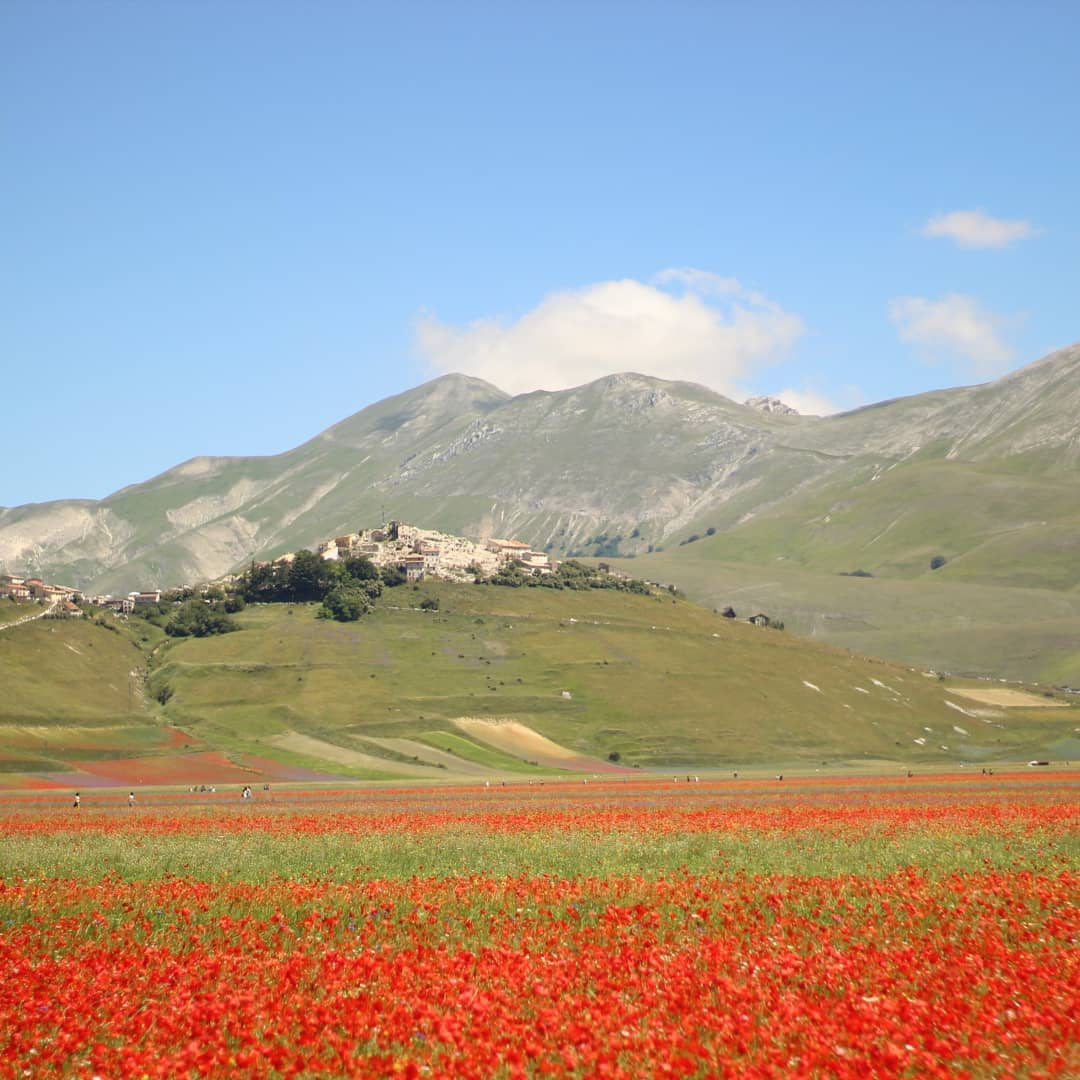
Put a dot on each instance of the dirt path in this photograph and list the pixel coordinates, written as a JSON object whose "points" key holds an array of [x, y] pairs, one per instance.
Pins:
{"points": [[30, 618]]}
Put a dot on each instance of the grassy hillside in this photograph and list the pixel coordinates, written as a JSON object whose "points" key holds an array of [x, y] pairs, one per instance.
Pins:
{"points": [[72, 690], [939, 621], [657, 681], [496, 682], [992, 525], [13, 610]]}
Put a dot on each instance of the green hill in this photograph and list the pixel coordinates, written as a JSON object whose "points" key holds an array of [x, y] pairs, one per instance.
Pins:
{"points": [[497, 681], [73, 691], [938, 621], [978, 482]]}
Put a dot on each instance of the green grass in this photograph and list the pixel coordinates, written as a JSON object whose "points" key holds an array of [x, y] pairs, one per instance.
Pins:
{"points": [[13, 610], [74, 671], [1006, 602], [479, 754], [660, 682], [994, 527], [938, 621], [258, 856]]}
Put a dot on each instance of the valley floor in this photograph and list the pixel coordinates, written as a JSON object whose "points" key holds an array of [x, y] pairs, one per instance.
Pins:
{"points": [[920, 926]]}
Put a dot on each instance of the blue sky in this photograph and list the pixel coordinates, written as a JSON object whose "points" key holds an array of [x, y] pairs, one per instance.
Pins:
{"points": [[224, 227]]}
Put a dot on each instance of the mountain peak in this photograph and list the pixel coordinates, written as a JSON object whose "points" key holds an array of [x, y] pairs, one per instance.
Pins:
{"points": [[766, 404]]}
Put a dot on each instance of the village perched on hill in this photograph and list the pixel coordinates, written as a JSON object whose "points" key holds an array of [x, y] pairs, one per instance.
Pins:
{"points": [[428, 553], [67, 598], [416, 551]]}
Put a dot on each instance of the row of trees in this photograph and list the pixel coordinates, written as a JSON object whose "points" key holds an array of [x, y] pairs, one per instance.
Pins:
{"points": [[183, 613], [347, 588], [308, 578], [570, 575]]}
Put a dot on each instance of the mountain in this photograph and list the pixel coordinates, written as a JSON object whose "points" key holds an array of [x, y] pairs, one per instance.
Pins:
{"points": [[979, 479]]}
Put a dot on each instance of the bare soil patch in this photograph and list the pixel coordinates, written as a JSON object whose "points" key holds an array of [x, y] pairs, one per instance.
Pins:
{"points": [[514, 738], [451, 762], [343, 755], [1004, 697]]}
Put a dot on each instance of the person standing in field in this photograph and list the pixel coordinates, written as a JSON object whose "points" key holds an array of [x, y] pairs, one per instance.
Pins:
{"points": [[77, 802], [131, 798]]}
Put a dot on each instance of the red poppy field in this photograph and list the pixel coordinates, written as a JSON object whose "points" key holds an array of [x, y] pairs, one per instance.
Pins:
{"points": [[872, 928]]}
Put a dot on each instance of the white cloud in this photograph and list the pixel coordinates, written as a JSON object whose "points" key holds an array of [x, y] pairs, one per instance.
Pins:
{"points": [[976, 229], [685, 324], [956, 326]]}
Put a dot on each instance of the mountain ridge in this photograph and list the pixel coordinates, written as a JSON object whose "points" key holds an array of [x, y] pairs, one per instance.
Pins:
{"points": [[622, 455]]}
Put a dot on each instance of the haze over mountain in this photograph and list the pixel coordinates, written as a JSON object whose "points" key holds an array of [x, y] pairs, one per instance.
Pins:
{"points": [[983, 476]]}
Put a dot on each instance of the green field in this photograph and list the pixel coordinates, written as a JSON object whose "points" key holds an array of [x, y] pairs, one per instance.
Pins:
{"points": [[655, 680], [13, 610], [936, 621], [644, 681]]}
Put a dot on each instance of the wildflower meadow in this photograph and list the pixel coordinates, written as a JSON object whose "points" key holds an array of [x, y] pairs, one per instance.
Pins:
{"points": [[653, 927]]}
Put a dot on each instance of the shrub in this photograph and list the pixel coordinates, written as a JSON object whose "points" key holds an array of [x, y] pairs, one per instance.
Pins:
{"points": [[937, 562], [196, 619], [345, 603], [393, 576]]}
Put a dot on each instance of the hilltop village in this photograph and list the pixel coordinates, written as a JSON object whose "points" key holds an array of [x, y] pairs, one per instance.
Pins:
{"points": [[421, 553], [15, 587], [67, 598], [417, 552], [397, 548]]}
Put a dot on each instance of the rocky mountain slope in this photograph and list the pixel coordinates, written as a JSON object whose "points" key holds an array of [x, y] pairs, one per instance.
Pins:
{"points": [[622, 465]]}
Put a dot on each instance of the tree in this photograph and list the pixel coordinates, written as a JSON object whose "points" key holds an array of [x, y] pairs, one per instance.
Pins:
{"points": [[511, 574], [309, 578], [392, 576], [361, 568], [575, 575], [263, 583], [195, 619], [345, 603]]}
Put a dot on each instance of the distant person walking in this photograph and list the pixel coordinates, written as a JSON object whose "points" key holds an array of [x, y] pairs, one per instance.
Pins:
{"points": [[78, 801], [131, 798]]}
